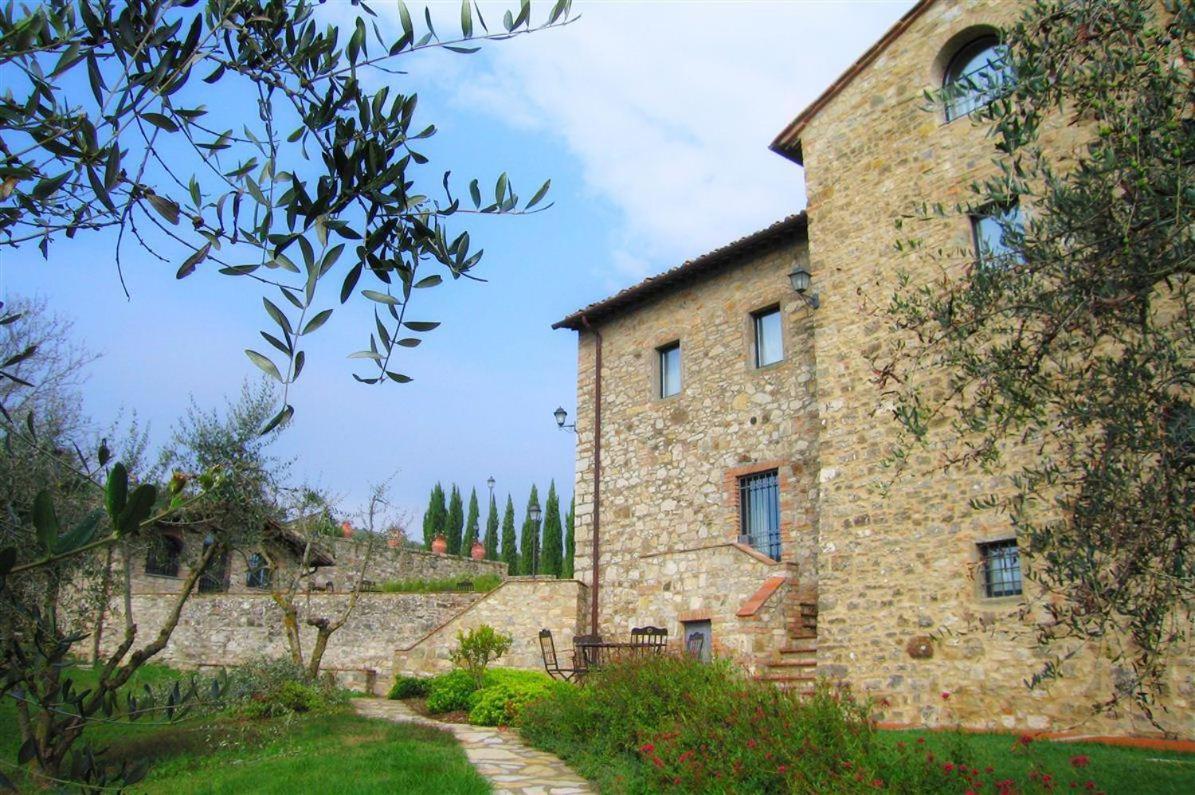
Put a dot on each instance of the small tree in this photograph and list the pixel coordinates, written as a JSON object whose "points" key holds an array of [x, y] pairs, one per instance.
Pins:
{"points": [[456, 522], [529, 540], [435, 518], [510, 551], [491, 531], [567, 569], [477, 648], [471, 524], [552, 558]]}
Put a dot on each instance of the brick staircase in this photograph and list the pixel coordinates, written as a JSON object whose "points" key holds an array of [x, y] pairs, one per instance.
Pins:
{"points": [[794, 665]]}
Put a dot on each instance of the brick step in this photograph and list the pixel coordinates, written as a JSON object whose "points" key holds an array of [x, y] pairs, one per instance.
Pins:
{"points": [[800, 646], [786, 678], [792, 663]]}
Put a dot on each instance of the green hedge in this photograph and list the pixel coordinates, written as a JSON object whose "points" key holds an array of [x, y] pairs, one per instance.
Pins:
{"points": [[505, 692]]}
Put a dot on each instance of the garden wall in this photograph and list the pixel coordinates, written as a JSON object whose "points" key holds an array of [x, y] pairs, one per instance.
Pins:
{"points": [[234, 629], [520, 607], [399, 563]]}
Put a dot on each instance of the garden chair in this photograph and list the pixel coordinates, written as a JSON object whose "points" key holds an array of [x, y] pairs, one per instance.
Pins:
{"points": [[694, 645], [547, 648], [587, 651], [653, 639]]}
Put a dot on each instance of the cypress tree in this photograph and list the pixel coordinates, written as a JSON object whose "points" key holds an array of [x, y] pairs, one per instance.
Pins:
{"points": [[551, 558], [510, 553], [529, 541], [491, 531], [456, 522], [436, 516], [570, 542], [471, 526]]}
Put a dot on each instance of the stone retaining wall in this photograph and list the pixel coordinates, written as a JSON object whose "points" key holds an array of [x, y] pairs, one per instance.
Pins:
{"points": [[234, 629], [520, 607]]}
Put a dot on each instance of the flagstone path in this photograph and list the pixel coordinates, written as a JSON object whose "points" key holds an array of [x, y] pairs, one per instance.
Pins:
{"points": [[513, 767]]}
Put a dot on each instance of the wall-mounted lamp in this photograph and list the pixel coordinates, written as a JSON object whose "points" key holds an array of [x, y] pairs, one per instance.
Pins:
{"points": [[561, 415], [801, 280]]}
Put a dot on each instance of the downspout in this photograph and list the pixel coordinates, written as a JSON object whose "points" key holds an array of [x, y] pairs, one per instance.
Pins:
{"points": [[597, 476]]}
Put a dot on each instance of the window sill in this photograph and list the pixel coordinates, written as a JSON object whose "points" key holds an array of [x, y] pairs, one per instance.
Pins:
{"points": [[1001, 601], [763, 368], [163, 576]]}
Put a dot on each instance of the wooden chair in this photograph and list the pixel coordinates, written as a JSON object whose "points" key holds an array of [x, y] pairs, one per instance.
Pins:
{"points": [[694, 645], [653, 639], [552, 665]]}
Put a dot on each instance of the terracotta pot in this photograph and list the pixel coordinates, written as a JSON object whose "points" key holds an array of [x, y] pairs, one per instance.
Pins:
{"points": [[478, 551], [346, 530], [440, 545]]}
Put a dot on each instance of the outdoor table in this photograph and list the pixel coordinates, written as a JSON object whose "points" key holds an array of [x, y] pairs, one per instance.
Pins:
{"points": [[598, 653]]}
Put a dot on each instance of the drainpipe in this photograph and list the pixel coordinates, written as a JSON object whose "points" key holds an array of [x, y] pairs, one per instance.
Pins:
{"points": [[597, 476]]}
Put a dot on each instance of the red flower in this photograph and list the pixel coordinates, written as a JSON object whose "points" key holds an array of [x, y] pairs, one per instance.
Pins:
{"points": [[1025, 739], [921, 741], [686, 755], [945, 696], [948, 767], [657, 761], [1080, 760], [782, 769], [751, 743], [647, 748], [878, 783]]}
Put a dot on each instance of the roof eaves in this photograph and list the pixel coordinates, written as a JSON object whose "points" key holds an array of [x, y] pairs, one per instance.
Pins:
{"points": [[655, 285]]}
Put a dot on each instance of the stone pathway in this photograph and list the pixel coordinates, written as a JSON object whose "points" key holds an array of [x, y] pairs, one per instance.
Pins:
{"points": [[512, 767]]}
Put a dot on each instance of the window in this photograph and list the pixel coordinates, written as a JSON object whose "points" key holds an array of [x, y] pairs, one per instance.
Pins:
{"points": [[759, 512], [215, 577], [1001, 569], [258, 574], [163, 556], [997, 232], [669, 369], [769, 348], [976, 75]]}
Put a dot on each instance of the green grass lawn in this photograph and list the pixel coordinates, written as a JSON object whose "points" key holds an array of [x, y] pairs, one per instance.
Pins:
{"points": [[327, 751], [1114, 769]]}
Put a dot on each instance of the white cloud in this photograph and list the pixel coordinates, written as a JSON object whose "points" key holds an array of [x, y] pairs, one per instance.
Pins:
{"points": [[669, 108]]}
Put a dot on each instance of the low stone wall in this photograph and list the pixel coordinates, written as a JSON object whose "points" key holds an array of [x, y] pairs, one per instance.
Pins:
{"points": [[234, 629], [520, 607], [399, 563]]}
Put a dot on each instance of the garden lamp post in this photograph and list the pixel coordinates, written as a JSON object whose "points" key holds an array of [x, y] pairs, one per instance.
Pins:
{"points": [[534, 514]]}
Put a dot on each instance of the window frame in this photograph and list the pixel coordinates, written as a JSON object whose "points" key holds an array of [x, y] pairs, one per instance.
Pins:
{"points": [[214, 578], [961, 100], [756, 327], [662, 352], [999, 582], [997, 214], [261, 575], [745, 486]]}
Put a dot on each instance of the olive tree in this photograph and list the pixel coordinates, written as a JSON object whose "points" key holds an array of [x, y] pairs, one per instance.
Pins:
{"points": [[1072, 342]]}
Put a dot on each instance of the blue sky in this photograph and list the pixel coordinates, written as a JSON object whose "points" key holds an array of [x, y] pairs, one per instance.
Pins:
{"points": [[652, 120]]}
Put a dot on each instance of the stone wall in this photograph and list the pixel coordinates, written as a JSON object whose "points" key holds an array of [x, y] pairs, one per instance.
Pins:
{"points": [[401, 563], [520, 607], [386, 563], [233, 629], [670, 466], [894, 569]]}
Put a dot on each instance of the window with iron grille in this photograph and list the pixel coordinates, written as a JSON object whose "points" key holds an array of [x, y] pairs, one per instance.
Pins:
{"points": [[258, 574], [1001, 568], [163, 556], [215, 577], [769, 348], [759, 512]]}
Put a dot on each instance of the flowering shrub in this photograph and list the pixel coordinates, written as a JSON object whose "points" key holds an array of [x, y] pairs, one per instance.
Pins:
{"points": [[662, 723]]}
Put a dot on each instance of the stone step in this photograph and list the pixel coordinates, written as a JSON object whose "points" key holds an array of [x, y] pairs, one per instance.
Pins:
{"points": [[800, 646], [792, 662], [786, 678]]}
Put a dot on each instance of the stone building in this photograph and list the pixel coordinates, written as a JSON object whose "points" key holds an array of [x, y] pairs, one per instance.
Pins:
{"points": [[730, 437]]}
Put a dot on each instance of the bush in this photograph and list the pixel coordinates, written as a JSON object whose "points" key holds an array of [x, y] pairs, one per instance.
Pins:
{"points": [[477, 648], [662, 723], [450, 692], [408, 687], [272, 688], [507, 691], [481, 584]]}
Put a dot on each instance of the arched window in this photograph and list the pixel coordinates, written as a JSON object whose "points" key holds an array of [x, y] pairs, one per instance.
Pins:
{"points": [[163, 556], [215, 577], [997, 233], [977, 74], [258, 574]]}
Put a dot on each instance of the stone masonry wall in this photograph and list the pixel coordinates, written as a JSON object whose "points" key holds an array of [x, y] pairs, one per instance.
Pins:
{"points": [[520, 607], [897, 568], [234, 629], [670, 466]]}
